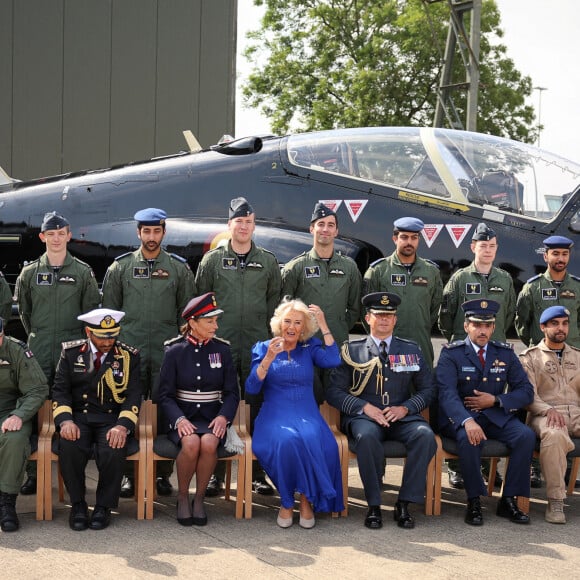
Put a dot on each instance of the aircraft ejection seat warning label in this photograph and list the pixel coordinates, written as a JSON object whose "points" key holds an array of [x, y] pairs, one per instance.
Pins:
{"points": [[430, 233], [355, 207], [332, 204], [457, 232]]}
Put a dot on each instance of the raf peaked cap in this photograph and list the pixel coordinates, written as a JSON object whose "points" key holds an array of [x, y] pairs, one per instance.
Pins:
{"points": [[239, 207], [482, 233], [554, 242], [408, 224], [103, 322], [150, 217], [321, 211], [53, 221], [554, 312], [381, 302], [480, 310], [203, 306]]}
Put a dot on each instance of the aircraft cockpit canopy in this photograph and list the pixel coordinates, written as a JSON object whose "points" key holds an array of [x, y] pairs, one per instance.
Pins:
{"points": [[458, 165]]}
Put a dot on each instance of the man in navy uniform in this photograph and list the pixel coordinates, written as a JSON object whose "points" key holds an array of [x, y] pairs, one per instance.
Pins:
{"points": [[381, 387], [96, 398], [473, 377]]}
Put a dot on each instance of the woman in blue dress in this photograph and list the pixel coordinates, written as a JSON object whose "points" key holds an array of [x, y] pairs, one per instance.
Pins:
{"points": [[291, 439]]}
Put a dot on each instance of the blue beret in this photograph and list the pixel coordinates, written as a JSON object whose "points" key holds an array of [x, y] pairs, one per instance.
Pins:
{"points": [[554, 242], [408, 224], [53, 221], [151, 217], [480, 310], [381, 301], [554, 312], [239, 207], [321, 211], [482, 233]]}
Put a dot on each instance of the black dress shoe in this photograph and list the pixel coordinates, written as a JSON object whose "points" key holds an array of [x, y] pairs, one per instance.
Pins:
{"points": [[214, 487], [262, 487], [473, 515], [535, 477], [164, 486], [402, 516], [78, 519], [8, 516], [29, 486], [127, 487], [101, 518], [188, 521], [507, 507], [198, 520], [374, 520], [455, 479]]}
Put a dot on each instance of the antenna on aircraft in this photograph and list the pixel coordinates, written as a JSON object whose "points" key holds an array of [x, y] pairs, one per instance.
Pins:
{"points": [[192, 142]]}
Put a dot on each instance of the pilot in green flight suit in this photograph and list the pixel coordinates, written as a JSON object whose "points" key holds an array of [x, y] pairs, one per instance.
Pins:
{"points": [[5, 299]]}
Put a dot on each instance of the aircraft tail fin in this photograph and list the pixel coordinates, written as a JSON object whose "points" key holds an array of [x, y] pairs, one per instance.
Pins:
{"points": [[5, 179], [192, 142]]}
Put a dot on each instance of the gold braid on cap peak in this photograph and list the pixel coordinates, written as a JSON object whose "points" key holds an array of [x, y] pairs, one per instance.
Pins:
{"points": [[108, 378], [362, 372]]}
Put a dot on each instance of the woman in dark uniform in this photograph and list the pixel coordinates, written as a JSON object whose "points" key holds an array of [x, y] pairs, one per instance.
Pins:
{"points": [[199, 395]]}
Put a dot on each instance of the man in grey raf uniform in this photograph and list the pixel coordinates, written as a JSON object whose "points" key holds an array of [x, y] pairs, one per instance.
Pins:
{"points": [[96, 398], [553, 367], [246, 281], [381, 388], [324, 277], [23, 390], [556, 286], [5, 299], [480, 280], [51, 292], [416, 280], [152, 287], [481, 385]]}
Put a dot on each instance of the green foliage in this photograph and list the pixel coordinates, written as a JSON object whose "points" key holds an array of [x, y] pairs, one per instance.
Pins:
{"points": [[323, 64]]}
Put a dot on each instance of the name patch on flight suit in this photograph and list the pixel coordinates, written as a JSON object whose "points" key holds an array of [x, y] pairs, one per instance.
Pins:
{"points": [[419, 281], [398, 280], [44, 279], [473, 288], [549, 294], [140, 272], [229, 264], [159, 273], [336, 272], [568, 294], [312, 271]]}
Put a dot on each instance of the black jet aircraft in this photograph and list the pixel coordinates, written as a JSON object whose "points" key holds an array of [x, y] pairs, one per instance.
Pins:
{"points": [[371, 176]]}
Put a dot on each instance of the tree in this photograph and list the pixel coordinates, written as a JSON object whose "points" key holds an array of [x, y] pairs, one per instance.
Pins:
{"points": [[356, 63]]}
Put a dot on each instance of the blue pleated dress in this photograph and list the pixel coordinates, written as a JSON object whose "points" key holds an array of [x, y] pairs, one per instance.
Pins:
{"points": [[291, 439]]}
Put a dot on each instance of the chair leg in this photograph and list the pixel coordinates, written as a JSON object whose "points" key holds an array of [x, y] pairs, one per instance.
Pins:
{"points": [[228, 480], [247, 482], [492, 472], [573, 475], [430, 487]]}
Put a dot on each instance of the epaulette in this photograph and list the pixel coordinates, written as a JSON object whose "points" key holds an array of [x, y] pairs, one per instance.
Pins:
{"points": [[16, 341], [72, 343], [502, 344], [179, 258], [573, 347], [533, 278], [373, 264], [454, 344], [406, 340], [530, 348], [265, 250], [173, 340], [356, 340], [123, 256], [222, 340], [78, 260], [432, 263], [577, 278], [128, 347]]}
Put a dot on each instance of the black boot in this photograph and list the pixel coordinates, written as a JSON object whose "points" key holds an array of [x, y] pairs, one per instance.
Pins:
{"points": [[8, 518]]}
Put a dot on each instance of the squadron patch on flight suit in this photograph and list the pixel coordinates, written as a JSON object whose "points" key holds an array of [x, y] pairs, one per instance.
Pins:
{"points": [[44, 279], [312, 271], [229, 264], [473, 288], [140, 272], [398, 280], [549, 294]]}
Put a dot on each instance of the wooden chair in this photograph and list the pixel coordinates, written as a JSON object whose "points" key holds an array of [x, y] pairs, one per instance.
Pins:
{"points": [[392, 450], [137, 450], [574, 455], [492, 449], [159, 448], [45, 428]]}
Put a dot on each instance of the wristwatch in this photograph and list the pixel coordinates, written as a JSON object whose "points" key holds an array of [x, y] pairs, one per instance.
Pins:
{"points": [[496, 401]]}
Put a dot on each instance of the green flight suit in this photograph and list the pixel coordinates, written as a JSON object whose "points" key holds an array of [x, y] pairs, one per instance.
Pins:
{"points": [[541, 292], [23, 390], [248, 296], [49, 301], [420, 293], [334, 285], [468, 284], [152, 299], [5, 299]]}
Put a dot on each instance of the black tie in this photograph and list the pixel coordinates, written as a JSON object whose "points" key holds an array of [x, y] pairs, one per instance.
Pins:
{"points": [[383, 349]]}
